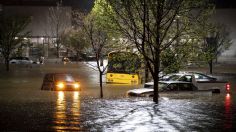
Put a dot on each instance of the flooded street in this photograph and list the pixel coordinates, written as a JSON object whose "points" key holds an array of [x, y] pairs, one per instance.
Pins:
{"points": [[24, 107]]}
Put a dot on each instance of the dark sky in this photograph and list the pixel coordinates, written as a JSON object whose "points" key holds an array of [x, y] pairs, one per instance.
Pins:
{"points": [[86, 4], [225, 3], [82, 4]]}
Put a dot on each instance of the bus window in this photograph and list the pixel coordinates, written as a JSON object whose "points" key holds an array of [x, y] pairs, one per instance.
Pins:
{"points": [[123, 68]]}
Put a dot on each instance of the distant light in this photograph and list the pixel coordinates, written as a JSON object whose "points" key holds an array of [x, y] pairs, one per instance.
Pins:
{"points": [[42, 38], [16, 37], [25, 38]]}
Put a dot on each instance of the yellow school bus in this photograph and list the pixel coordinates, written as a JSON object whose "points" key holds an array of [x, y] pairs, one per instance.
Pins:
{"points": [[123, 68]]}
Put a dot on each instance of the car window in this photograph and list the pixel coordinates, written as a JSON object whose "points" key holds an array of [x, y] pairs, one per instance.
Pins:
{"points": [[148, 85], [199, 76], [64, 77], [25, 58], [174, 77], [162, 86], [172, 87], [48, 78], [185, 87], [187, 78]]}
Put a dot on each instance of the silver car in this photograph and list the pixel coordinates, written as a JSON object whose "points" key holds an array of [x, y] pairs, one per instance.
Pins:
{"points": [[20, 60], [163, 86]]}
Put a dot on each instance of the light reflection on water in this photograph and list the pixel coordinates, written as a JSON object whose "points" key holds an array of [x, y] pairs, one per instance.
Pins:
{"points": [[141, 114], [67, 112], [228, 112]]}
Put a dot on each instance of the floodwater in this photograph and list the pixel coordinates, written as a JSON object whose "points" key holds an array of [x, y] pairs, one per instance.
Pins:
{"points": [[24, 107]]}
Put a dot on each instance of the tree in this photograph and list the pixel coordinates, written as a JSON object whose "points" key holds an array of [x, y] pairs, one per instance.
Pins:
{"points": [[58, 20], [151, 25], [218, 42], [11, 35], [74, 40], [98, 40], [101, 35], [212, 41]]}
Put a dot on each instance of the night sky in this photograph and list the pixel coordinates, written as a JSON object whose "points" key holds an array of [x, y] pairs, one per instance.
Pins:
{"points": [[82, 4]]}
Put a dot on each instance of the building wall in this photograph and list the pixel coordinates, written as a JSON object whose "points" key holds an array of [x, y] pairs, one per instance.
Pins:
{"points": [[42, 27], [40, 24], [228, 18]]}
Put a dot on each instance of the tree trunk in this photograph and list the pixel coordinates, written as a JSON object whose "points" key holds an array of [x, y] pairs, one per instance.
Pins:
{"points": [[146, 79], [210, 66], [100, 81], [58, 50], [156, 77], [7, 64]]}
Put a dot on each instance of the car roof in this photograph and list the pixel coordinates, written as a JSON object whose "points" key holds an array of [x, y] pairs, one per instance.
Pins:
{"points": [[167, 82], [54, 74]]}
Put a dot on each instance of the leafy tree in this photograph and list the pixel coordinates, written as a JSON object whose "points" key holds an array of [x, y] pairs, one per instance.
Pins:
{"points": [[11, 35], [151, 26], [98, 40], [57, 19], [212, 41], [74, 40], [100, 33]]}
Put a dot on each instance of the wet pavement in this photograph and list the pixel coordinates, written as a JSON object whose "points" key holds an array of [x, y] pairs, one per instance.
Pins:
{"points": [[24, 107]]}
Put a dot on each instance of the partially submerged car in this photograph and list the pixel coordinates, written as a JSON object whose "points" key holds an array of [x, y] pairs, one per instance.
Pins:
{"points": [[60, 82], [163, 87], [198, 76], [201, 81], [20, 60]]}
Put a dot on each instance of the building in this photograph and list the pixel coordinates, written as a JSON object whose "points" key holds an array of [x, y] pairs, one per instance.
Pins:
{"points": [[40, 26], [46, 23]]}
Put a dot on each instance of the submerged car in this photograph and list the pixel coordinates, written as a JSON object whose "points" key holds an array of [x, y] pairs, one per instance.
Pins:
{"points": [[20, 60], [179, 76], [201, 81], [60, 82], [163, 86]]}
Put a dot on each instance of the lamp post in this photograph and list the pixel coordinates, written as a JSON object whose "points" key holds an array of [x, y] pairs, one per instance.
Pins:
{"points": [[42, 39]]}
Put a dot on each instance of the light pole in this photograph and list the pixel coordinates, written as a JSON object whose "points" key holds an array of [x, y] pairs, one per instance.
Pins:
{"points": [[42, 39]]}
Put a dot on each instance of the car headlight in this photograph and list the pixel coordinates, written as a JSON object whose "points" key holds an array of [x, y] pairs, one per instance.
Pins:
{"points": [[76, 85], [60, 85]]}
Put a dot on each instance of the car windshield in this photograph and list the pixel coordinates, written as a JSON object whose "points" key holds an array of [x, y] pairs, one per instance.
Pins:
{"points": [[64, 77], [174, 77]]}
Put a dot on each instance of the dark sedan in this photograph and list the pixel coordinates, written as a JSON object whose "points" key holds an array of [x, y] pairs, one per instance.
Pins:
{"points": [[60, 82]]}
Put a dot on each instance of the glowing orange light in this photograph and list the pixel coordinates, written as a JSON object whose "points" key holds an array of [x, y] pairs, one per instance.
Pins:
{"points": [[76, 85], [60, 85], [76, 95]]}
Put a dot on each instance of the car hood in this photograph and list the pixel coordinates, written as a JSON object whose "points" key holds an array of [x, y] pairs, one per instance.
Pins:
{"points": [[140, 90]]}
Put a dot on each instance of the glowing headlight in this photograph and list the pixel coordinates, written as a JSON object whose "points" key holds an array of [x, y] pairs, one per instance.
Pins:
{"points": [[60, 85], [76, 85]]}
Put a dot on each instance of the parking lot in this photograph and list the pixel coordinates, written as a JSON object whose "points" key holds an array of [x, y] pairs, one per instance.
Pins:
{"points": [[25, 107]]}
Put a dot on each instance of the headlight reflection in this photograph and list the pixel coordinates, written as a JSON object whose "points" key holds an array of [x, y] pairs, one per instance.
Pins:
{"points": [[67, 112]]}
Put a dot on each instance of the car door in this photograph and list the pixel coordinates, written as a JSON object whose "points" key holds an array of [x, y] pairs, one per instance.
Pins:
{"points": [[172, 87], [185, 87]]}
